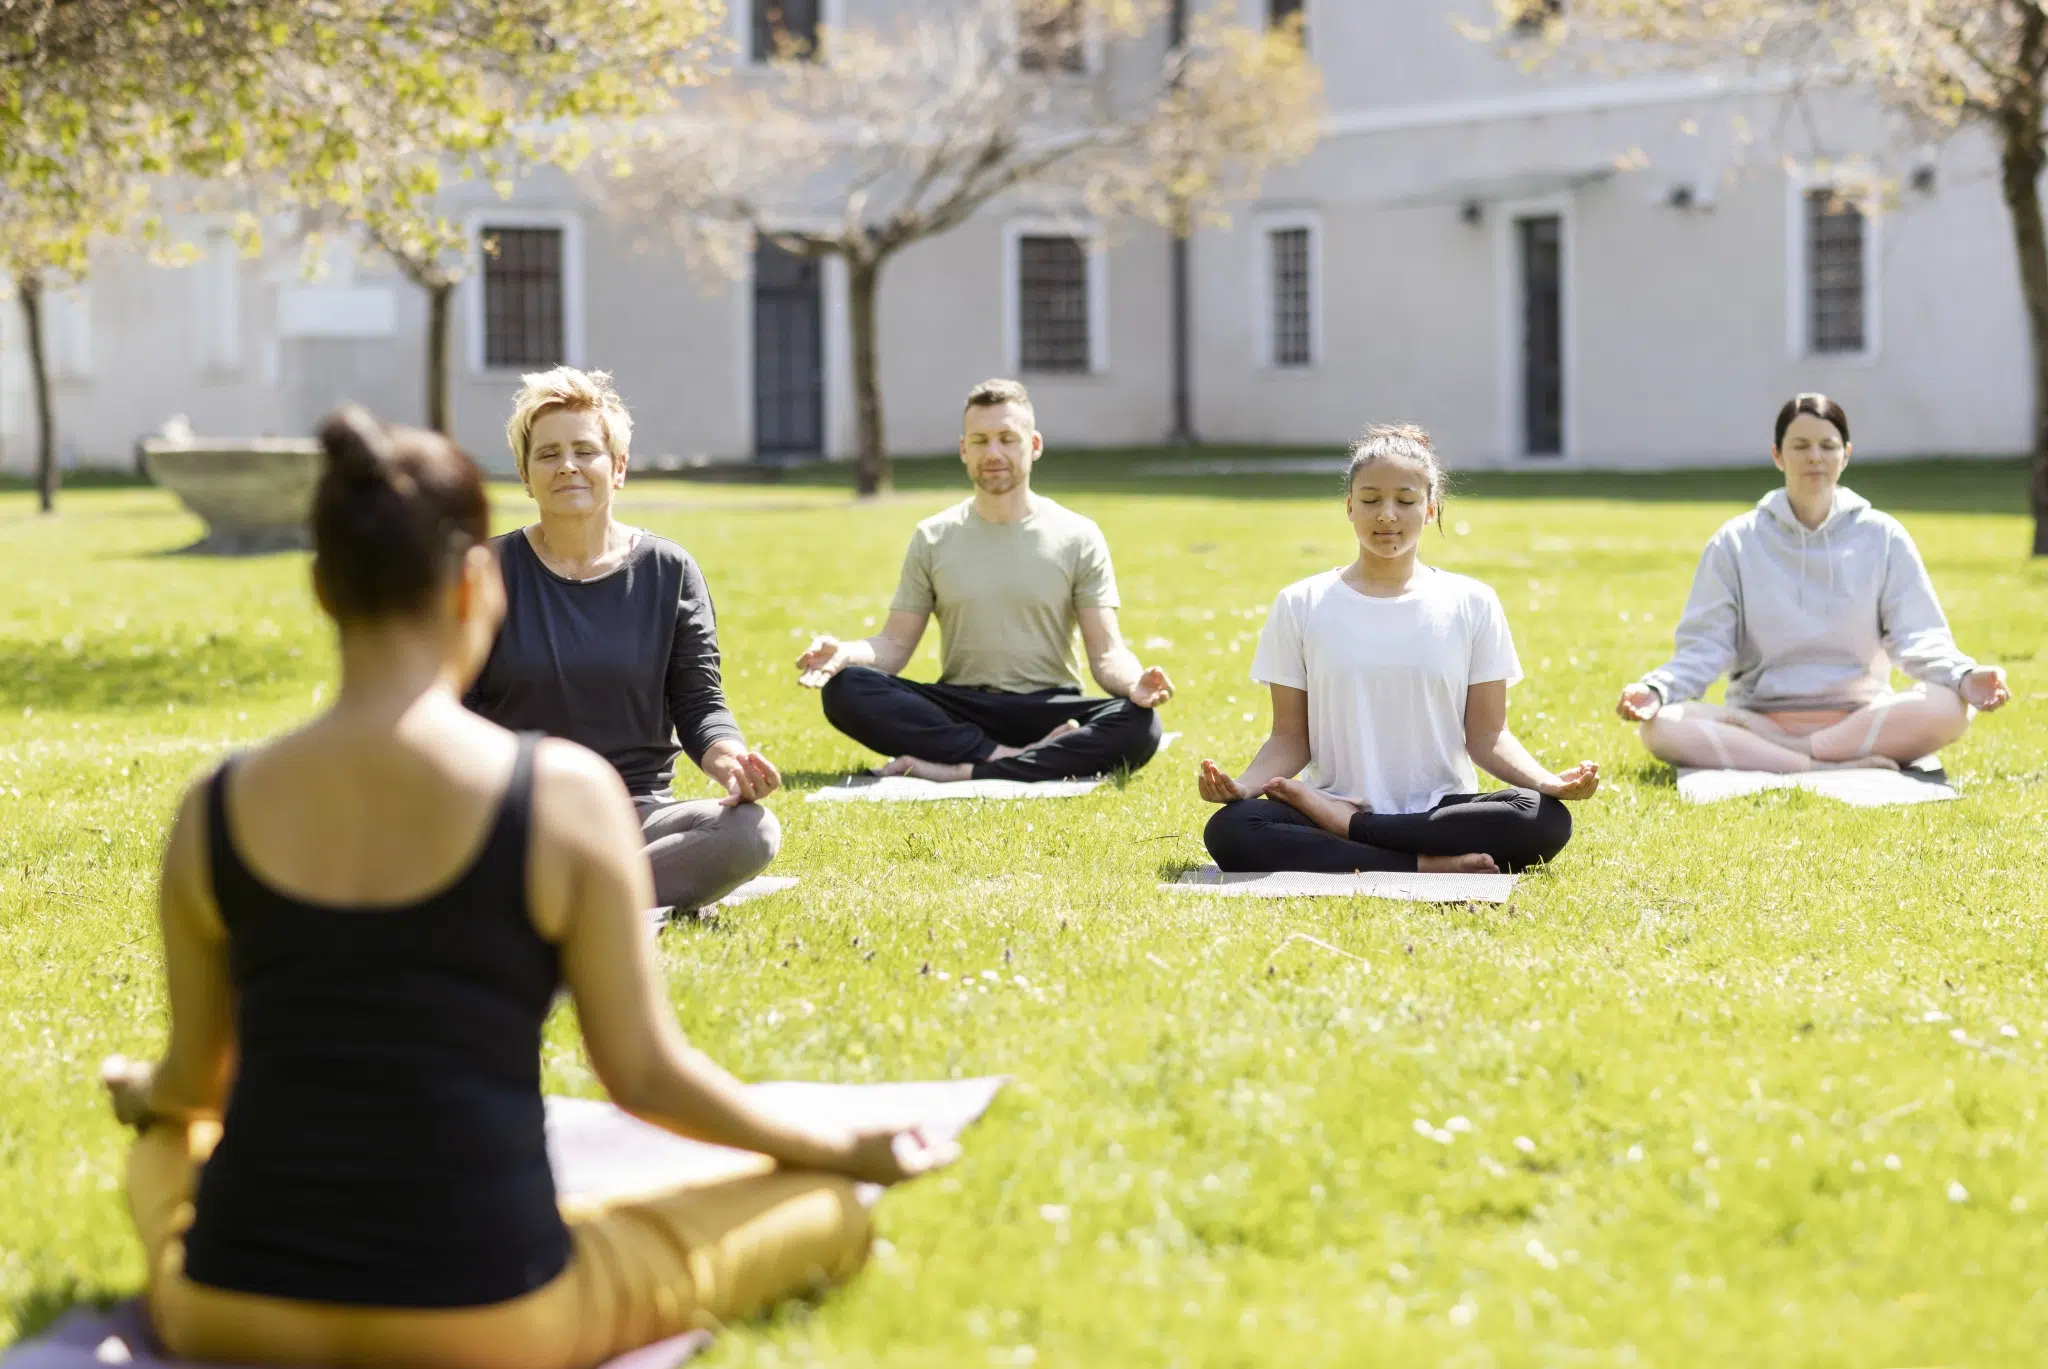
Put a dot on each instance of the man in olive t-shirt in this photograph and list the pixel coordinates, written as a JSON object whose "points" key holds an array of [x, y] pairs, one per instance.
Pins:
{"points": [[1010, 575]]}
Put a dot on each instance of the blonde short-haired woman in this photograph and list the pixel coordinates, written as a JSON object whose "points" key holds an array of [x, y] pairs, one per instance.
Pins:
{"points": [[610, 640]]}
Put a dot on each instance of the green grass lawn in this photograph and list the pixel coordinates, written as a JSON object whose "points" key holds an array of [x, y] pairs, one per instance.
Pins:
{"points": [[1759, 1084]]}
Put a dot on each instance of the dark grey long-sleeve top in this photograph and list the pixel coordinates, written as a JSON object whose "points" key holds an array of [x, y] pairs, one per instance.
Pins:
{"points": [[626, 664]]}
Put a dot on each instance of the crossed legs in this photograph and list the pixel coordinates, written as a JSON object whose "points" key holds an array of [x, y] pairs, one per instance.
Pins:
{"points": [[940, 731], [1883, 734], [702, 850], [1506, 829], [642, 1268]]}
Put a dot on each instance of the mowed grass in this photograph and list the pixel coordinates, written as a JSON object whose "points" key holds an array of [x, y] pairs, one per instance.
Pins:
{"points": [[1754, 1084]]}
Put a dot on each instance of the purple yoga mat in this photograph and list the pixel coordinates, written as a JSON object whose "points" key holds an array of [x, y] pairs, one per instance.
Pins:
{"points": [[596, 1151]]}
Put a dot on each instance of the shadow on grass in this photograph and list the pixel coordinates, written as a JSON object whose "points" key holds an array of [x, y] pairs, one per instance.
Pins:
{"points": [[819, 779], [1648, 772], [1925, 485], [125, 677]]}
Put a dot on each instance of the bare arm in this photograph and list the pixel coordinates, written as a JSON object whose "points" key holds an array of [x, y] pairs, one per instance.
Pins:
{"points": [[887, 651], [192, 1080], [1113, 664], [1283, 756], [1500, 753], [1116, 667], [592, 881]]}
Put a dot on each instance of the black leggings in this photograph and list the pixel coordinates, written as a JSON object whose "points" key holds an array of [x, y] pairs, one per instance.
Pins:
{"points": [[953, 724], [1517, 827]]}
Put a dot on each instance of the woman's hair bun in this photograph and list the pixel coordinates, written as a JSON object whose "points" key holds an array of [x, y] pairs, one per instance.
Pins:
{"points": [[358, 447], [393, 514]]}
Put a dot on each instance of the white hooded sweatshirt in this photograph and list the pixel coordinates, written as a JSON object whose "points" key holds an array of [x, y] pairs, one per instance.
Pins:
{"points": [[1809, 618]]}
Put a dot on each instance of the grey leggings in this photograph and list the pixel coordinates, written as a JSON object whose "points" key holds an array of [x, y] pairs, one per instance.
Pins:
{"points": [[701, 851]]}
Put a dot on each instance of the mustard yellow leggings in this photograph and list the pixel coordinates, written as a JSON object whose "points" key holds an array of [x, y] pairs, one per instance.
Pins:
{"points": [[641, 1269]]}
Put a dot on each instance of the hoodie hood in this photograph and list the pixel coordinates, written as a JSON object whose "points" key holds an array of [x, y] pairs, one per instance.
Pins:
{"points": [[1777, 506]]}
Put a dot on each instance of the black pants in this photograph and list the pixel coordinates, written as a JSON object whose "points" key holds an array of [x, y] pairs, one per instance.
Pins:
{"points": [[1517, 827], [954, 725]]}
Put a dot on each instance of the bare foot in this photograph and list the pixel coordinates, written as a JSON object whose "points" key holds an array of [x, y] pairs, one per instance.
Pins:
{"points": [[1478, 863], [1003, 753], [926, 770], [1331, 814]]}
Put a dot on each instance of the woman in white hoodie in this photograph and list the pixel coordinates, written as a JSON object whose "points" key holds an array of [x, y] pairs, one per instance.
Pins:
{"points": [[1806, 602]]}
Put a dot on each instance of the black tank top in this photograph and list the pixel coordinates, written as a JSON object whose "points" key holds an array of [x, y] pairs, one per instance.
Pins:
{"points": [[384, 1145]]}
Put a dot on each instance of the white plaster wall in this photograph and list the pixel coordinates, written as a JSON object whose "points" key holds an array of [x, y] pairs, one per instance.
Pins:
{"points": [[17, 414]]}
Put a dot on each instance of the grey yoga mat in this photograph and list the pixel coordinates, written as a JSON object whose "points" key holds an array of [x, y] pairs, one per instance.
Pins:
{"points": [[1921, 782], [596, 1151], [1366, 884]]}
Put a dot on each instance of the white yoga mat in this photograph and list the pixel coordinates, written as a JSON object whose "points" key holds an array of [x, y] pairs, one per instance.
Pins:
{"points": [[760, 886], [1366, 884], [904, 789], [1859, 788], [598, 1152]]}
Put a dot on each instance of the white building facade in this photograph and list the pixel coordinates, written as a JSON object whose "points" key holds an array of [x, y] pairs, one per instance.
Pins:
{"points": [[1551, 269]]}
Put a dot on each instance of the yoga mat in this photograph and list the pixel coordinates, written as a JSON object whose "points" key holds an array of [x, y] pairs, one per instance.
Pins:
{"points": [[904, 789], [1922, 782], [596, 1151], [760, 886], [1366, 884]]}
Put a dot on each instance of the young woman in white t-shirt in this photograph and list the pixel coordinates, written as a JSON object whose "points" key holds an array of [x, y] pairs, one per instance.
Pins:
{"points": [[1390, 680]]}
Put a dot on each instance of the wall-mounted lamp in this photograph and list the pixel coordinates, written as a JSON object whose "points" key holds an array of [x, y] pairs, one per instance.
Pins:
{"points": [[1925, 178], [1470, 213], [1687, 196]]}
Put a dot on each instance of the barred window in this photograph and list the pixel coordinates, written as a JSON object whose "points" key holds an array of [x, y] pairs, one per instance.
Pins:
{"points": [[1293, 303], [1052, 296], [522, 297], [1050, 35], [775, 21], [1835, 230]]}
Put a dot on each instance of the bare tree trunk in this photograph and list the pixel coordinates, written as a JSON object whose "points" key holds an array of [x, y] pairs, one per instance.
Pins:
{"points": [[30, 288], [871, 459], [438, 298], [1183, 434], [2024, 159]]}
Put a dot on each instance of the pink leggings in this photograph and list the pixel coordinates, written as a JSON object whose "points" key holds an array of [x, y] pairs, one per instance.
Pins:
{"points": [[1901, 727]]}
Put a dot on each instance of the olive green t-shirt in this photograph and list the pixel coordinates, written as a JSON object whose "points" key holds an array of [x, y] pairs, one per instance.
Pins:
{"points": [[1006, 593]]}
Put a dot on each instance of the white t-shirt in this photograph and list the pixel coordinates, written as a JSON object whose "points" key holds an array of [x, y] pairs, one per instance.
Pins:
{"points": [[1386, 682]]}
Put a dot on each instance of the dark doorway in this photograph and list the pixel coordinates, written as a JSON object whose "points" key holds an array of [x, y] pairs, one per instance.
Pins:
{"points": [[1542, 260], [789, 354]]}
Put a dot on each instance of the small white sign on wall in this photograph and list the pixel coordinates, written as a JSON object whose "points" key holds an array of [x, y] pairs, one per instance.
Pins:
{"points": [[337, 311]]}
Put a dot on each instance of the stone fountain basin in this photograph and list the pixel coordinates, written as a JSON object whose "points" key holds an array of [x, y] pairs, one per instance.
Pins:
{"points": [[253, 494]]}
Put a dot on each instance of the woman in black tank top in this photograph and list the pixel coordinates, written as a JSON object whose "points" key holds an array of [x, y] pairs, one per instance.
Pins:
{"points": [[342, 1159]]}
